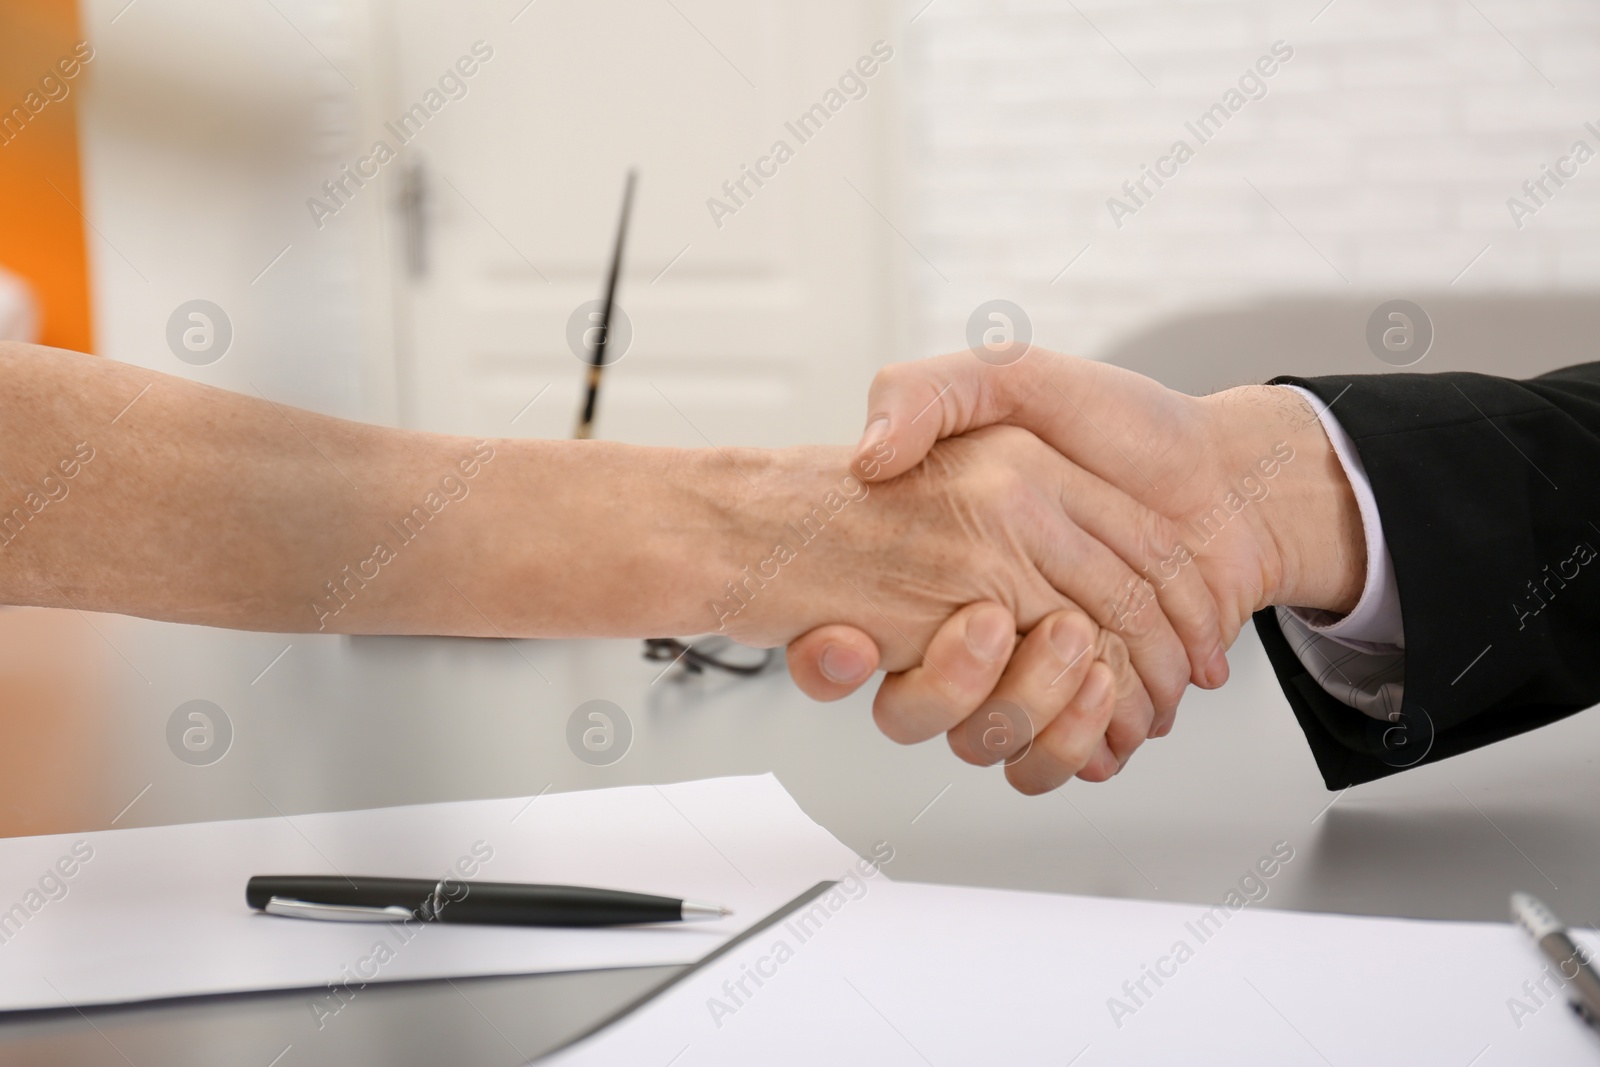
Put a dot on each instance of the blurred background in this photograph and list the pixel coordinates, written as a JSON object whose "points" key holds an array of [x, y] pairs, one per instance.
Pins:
{"points": [[937, 155]]}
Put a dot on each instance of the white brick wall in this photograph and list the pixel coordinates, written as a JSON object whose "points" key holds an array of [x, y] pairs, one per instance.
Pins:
{"points": [[1390, 141]]}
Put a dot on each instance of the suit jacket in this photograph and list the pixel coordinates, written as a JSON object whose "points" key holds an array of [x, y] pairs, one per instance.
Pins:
{"points": [[1489, 493]]}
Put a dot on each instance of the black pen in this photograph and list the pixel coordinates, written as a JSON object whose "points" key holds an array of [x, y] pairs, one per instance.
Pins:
{"points": [[452, 900]]}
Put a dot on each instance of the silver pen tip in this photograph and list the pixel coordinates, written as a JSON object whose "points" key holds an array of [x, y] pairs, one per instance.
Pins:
{"points": [[693, 912], [1531, 913]]}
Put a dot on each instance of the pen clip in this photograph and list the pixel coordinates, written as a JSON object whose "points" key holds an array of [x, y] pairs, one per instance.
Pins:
{"points": [[347, 913]]}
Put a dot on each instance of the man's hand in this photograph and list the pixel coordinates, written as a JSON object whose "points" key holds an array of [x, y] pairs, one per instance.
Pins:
{"points": [[1241, 487], [1241, 504]]}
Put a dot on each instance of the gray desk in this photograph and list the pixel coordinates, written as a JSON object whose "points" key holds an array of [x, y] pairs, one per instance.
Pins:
{"points": [[339, 723]]}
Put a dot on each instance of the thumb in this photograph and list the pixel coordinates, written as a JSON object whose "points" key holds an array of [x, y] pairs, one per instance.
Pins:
{"points": [[912, 405], [832, 661]]}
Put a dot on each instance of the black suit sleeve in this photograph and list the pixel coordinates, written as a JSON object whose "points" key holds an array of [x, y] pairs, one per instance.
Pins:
{"points": [[1489, 494]]}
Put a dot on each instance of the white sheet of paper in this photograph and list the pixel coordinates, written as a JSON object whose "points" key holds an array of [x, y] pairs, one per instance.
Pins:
{"points": [[160, 911], [900, 973]]}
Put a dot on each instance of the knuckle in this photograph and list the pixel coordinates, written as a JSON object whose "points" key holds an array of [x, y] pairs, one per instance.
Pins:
{"points": [[1096, 771], [1131, 617], [1013, 491], [1158, 689], [918, 709], [961, 750], [1156, 536], [1127, 731], [1070, 748], [1165, 671], [1113, 652], [1191, 604], [892, 377], [1074, 629], [893, 719], [997, 488], [1164, 697], [1032, 782]]}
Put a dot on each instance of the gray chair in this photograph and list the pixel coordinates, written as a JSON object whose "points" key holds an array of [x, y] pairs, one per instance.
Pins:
{"points": [[1506, 334]]}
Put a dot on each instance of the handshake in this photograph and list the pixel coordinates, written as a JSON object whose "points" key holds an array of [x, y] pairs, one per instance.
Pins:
{"points": [[1042, 555]]}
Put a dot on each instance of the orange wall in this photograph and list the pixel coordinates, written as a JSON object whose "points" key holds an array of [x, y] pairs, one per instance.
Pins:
{"points": [[41, 232], [54, 757]]}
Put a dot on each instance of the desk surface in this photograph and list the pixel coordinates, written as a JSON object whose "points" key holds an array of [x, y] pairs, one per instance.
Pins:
{"points": [[329, 723]]}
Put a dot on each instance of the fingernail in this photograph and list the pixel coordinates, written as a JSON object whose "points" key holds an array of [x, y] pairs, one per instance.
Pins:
{"points": [[842, 665], [1068, 640], [1217, 667], [990, 634], [1095, 689], [877, 430]]}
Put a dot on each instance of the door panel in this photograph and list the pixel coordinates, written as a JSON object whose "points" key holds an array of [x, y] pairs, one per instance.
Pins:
{"points": [[764, 329]]}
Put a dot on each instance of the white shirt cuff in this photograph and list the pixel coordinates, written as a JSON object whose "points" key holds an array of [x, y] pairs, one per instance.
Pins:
{"points": [[1375, 623]]}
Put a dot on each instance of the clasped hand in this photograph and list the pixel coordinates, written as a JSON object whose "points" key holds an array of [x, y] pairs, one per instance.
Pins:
{"points": [[1125, 531]]}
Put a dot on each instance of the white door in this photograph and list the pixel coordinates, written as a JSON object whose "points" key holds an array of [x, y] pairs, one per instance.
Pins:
{"points": [[763, 284]]}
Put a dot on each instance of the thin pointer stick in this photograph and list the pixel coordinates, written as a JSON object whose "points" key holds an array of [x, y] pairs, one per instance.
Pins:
{"points": [[597, 361]]}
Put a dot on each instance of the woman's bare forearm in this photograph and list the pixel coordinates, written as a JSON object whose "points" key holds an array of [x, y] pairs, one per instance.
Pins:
{"points": [[125, 490]]}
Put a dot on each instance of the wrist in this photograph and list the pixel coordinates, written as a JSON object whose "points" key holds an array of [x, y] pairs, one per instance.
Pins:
{"points": [[774, 546], [1310, 525], [741, 490], [598, 539], [657, 542], [707, 538]]}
